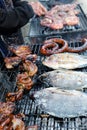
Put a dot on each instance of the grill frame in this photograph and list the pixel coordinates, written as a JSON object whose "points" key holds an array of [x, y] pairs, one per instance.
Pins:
{"points": [[36, 31], [33, 114]]}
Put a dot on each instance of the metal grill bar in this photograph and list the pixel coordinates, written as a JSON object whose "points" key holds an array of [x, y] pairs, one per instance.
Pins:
{"points": [[51, 123]]}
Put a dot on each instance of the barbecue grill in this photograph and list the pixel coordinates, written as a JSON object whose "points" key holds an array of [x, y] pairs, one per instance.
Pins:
{"points": [[33, 114], [54, 2], [38, 33]]}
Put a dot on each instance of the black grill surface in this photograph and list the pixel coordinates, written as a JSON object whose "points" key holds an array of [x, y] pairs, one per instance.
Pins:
{"points": [[38, 31], [33, 114]]}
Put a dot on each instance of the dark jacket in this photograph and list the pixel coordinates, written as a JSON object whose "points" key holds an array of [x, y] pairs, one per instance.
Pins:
{"points": [[15, 18]]}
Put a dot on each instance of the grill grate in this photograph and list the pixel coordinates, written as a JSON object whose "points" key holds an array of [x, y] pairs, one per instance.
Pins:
{"points": [[33, 114], [45, 122], [38, 33], [37, 30], [7, 83]]}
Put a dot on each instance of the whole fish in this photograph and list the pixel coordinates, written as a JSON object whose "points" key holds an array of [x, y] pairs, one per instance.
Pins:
{"points": [[65, 79], [62, 103], [65, 60]]}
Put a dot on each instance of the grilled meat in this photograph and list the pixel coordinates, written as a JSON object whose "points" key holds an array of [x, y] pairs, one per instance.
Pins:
{"points": [[65, 7], [51, 46], [14, 96], [8, 121], [31, 57], [61, 103], [22, 76], [61, 15], [18, 124], [81, 48], [13, 122], [21, 51], [46, 21], [57, 24], [4, 124], [11, 62], [73, 12], [62, 8], [48, 48], [30, 68], [3, 117], [6, 108], [24, 81], [52, 22], [71, 20], [65, 60]]}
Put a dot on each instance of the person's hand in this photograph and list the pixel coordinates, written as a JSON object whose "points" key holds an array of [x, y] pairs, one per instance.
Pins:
{"points": [[38, 8]]}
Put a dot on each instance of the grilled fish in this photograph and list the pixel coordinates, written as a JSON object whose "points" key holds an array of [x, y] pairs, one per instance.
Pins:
{"points": [[65, 79], [65, 60], [62, 103]]}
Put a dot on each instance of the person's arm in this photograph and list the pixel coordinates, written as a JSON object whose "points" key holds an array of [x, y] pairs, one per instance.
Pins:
{"points": [[17, 17]]}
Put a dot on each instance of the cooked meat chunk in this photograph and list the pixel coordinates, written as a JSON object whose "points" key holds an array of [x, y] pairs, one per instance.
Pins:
{"points": [[20, 51], [61, 15], [11, 62], [30, 68]]}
